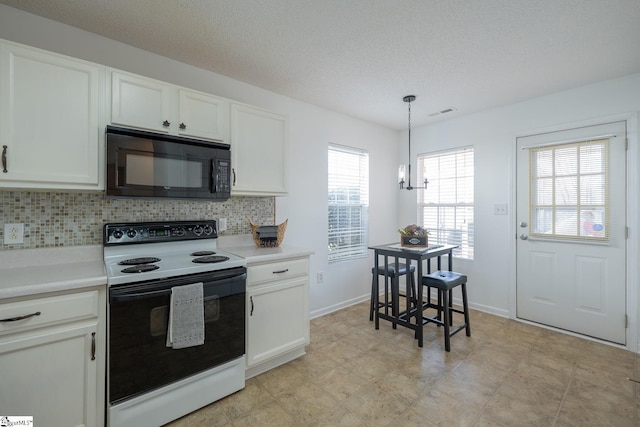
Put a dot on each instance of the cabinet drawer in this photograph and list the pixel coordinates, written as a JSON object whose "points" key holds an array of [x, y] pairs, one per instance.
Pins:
{"points": [[276, 270], [21, 315]]}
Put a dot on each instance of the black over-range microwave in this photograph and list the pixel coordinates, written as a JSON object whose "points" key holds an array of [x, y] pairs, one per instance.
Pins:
{"points": [[147, 164]]}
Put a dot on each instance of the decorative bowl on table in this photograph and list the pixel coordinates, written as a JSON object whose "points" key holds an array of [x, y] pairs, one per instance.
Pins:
{"points": [[268, 236], [414, 236]]}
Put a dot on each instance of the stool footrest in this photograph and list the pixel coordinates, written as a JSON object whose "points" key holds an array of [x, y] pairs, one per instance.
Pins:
{"points": [[457, 329]]}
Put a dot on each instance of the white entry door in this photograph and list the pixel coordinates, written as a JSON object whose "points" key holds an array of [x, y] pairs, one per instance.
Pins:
{"points": [[571, 250]]}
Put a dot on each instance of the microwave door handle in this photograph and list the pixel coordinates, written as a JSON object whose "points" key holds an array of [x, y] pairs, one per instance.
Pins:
{"points": [[214, 177]]}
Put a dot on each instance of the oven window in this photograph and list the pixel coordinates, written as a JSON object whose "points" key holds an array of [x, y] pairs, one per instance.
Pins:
{"points": [[147, 170], [159, 316]]}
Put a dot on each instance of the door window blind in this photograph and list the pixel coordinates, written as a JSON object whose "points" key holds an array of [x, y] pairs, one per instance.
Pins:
{"points": [[348, 182], [568, 190]]}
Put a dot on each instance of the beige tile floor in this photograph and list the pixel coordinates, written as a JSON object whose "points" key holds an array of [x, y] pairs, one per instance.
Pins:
{"points": [[506, 374]]}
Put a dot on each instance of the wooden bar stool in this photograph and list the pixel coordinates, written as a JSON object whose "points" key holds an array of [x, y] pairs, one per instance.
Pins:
{"points": [[444, 281], [390, 302]]}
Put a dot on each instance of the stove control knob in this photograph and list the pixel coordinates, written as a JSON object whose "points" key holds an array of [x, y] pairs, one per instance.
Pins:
{"points": [[117, 234], [131, 233], [179, 231], [197, 230], [208, 229]]}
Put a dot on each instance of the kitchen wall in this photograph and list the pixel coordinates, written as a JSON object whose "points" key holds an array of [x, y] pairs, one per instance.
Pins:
{"points": [[311, 130], [76, 219], [493, 135]]}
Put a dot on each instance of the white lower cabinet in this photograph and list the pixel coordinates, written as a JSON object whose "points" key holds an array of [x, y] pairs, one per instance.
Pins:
{"points": [[277, 313], [52, 359]]}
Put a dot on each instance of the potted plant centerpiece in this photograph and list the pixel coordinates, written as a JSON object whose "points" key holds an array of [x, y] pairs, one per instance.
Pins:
{"points": [[414, 236]]}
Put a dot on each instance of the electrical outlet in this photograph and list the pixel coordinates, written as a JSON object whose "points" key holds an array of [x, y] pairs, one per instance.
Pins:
{"points": [[500, 209], [13, 234], [319, 277], [222, 224]]}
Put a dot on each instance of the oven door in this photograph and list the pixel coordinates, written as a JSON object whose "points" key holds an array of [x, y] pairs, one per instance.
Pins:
{"points": [[139, 360], [143, 164]]}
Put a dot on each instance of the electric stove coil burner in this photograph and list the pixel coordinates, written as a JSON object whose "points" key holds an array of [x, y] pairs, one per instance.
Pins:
{"points": [[138, 261], [141, 268], [203, 253], [210, 259]]}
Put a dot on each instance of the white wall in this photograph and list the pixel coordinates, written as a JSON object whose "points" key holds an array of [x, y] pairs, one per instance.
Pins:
{"points": [[311, 129], [493, 134]]}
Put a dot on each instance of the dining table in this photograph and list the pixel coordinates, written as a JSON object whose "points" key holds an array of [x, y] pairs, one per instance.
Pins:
{"points": [[394, 254]]}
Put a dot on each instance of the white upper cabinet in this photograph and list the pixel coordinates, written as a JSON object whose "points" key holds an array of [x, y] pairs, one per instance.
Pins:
{"points": [[146, 103], [51, 120], [259, 151], [141, 102], [202, 115]]}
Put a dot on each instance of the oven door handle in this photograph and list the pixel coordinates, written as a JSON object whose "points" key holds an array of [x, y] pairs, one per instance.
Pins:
{"points": [[139, 295]]}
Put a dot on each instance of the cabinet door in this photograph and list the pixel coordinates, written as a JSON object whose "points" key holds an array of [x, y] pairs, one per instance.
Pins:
{"points": [[142, 103], [259, 151], [50, 376], [50, 120], [278, 319], [202, 115]]}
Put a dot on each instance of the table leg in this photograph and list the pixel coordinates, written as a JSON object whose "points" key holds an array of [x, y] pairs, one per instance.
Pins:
{"points": [[395, 293], [377, 290], [418, 310]]}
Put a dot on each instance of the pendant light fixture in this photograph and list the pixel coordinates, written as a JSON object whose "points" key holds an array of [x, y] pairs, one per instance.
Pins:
{"points": [[405, 173]]}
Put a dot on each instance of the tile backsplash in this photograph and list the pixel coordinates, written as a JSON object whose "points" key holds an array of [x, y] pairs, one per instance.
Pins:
{"points": [[76, 219]]}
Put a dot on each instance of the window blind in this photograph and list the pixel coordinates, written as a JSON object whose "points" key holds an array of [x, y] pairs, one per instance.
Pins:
{"points": [[568, 190], [348, 197], [446, 207]]}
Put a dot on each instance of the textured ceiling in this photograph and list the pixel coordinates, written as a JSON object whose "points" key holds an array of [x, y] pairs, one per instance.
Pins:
{"points": [[360, 57]]}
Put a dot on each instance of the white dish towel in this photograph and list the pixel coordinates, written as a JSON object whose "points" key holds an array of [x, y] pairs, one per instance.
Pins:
{"points": [[186, 316]]}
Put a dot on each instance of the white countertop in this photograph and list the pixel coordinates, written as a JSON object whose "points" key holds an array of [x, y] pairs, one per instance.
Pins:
{"points": [[26, 272], [243, 245]]}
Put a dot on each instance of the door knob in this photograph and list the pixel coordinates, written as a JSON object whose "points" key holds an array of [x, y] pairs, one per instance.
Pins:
{"points": [[523, 237], [523, 224]]}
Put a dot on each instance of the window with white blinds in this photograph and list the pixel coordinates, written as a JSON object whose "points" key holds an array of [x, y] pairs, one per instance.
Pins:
{"points": [[445, 208], [348, 179], [568, 190]]}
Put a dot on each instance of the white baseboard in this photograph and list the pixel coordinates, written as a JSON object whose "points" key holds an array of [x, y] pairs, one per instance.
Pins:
{"points": [[344, 304], [274, 363]]}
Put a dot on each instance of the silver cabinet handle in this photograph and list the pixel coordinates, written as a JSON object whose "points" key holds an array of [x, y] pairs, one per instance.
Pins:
{"points": [[523, 237], [15, 319]]}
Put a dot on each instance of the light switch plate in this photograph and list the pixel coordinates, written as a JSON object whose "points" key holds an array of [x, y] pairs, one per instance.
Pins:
{"points": [[13, 234], [500, 209]]}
